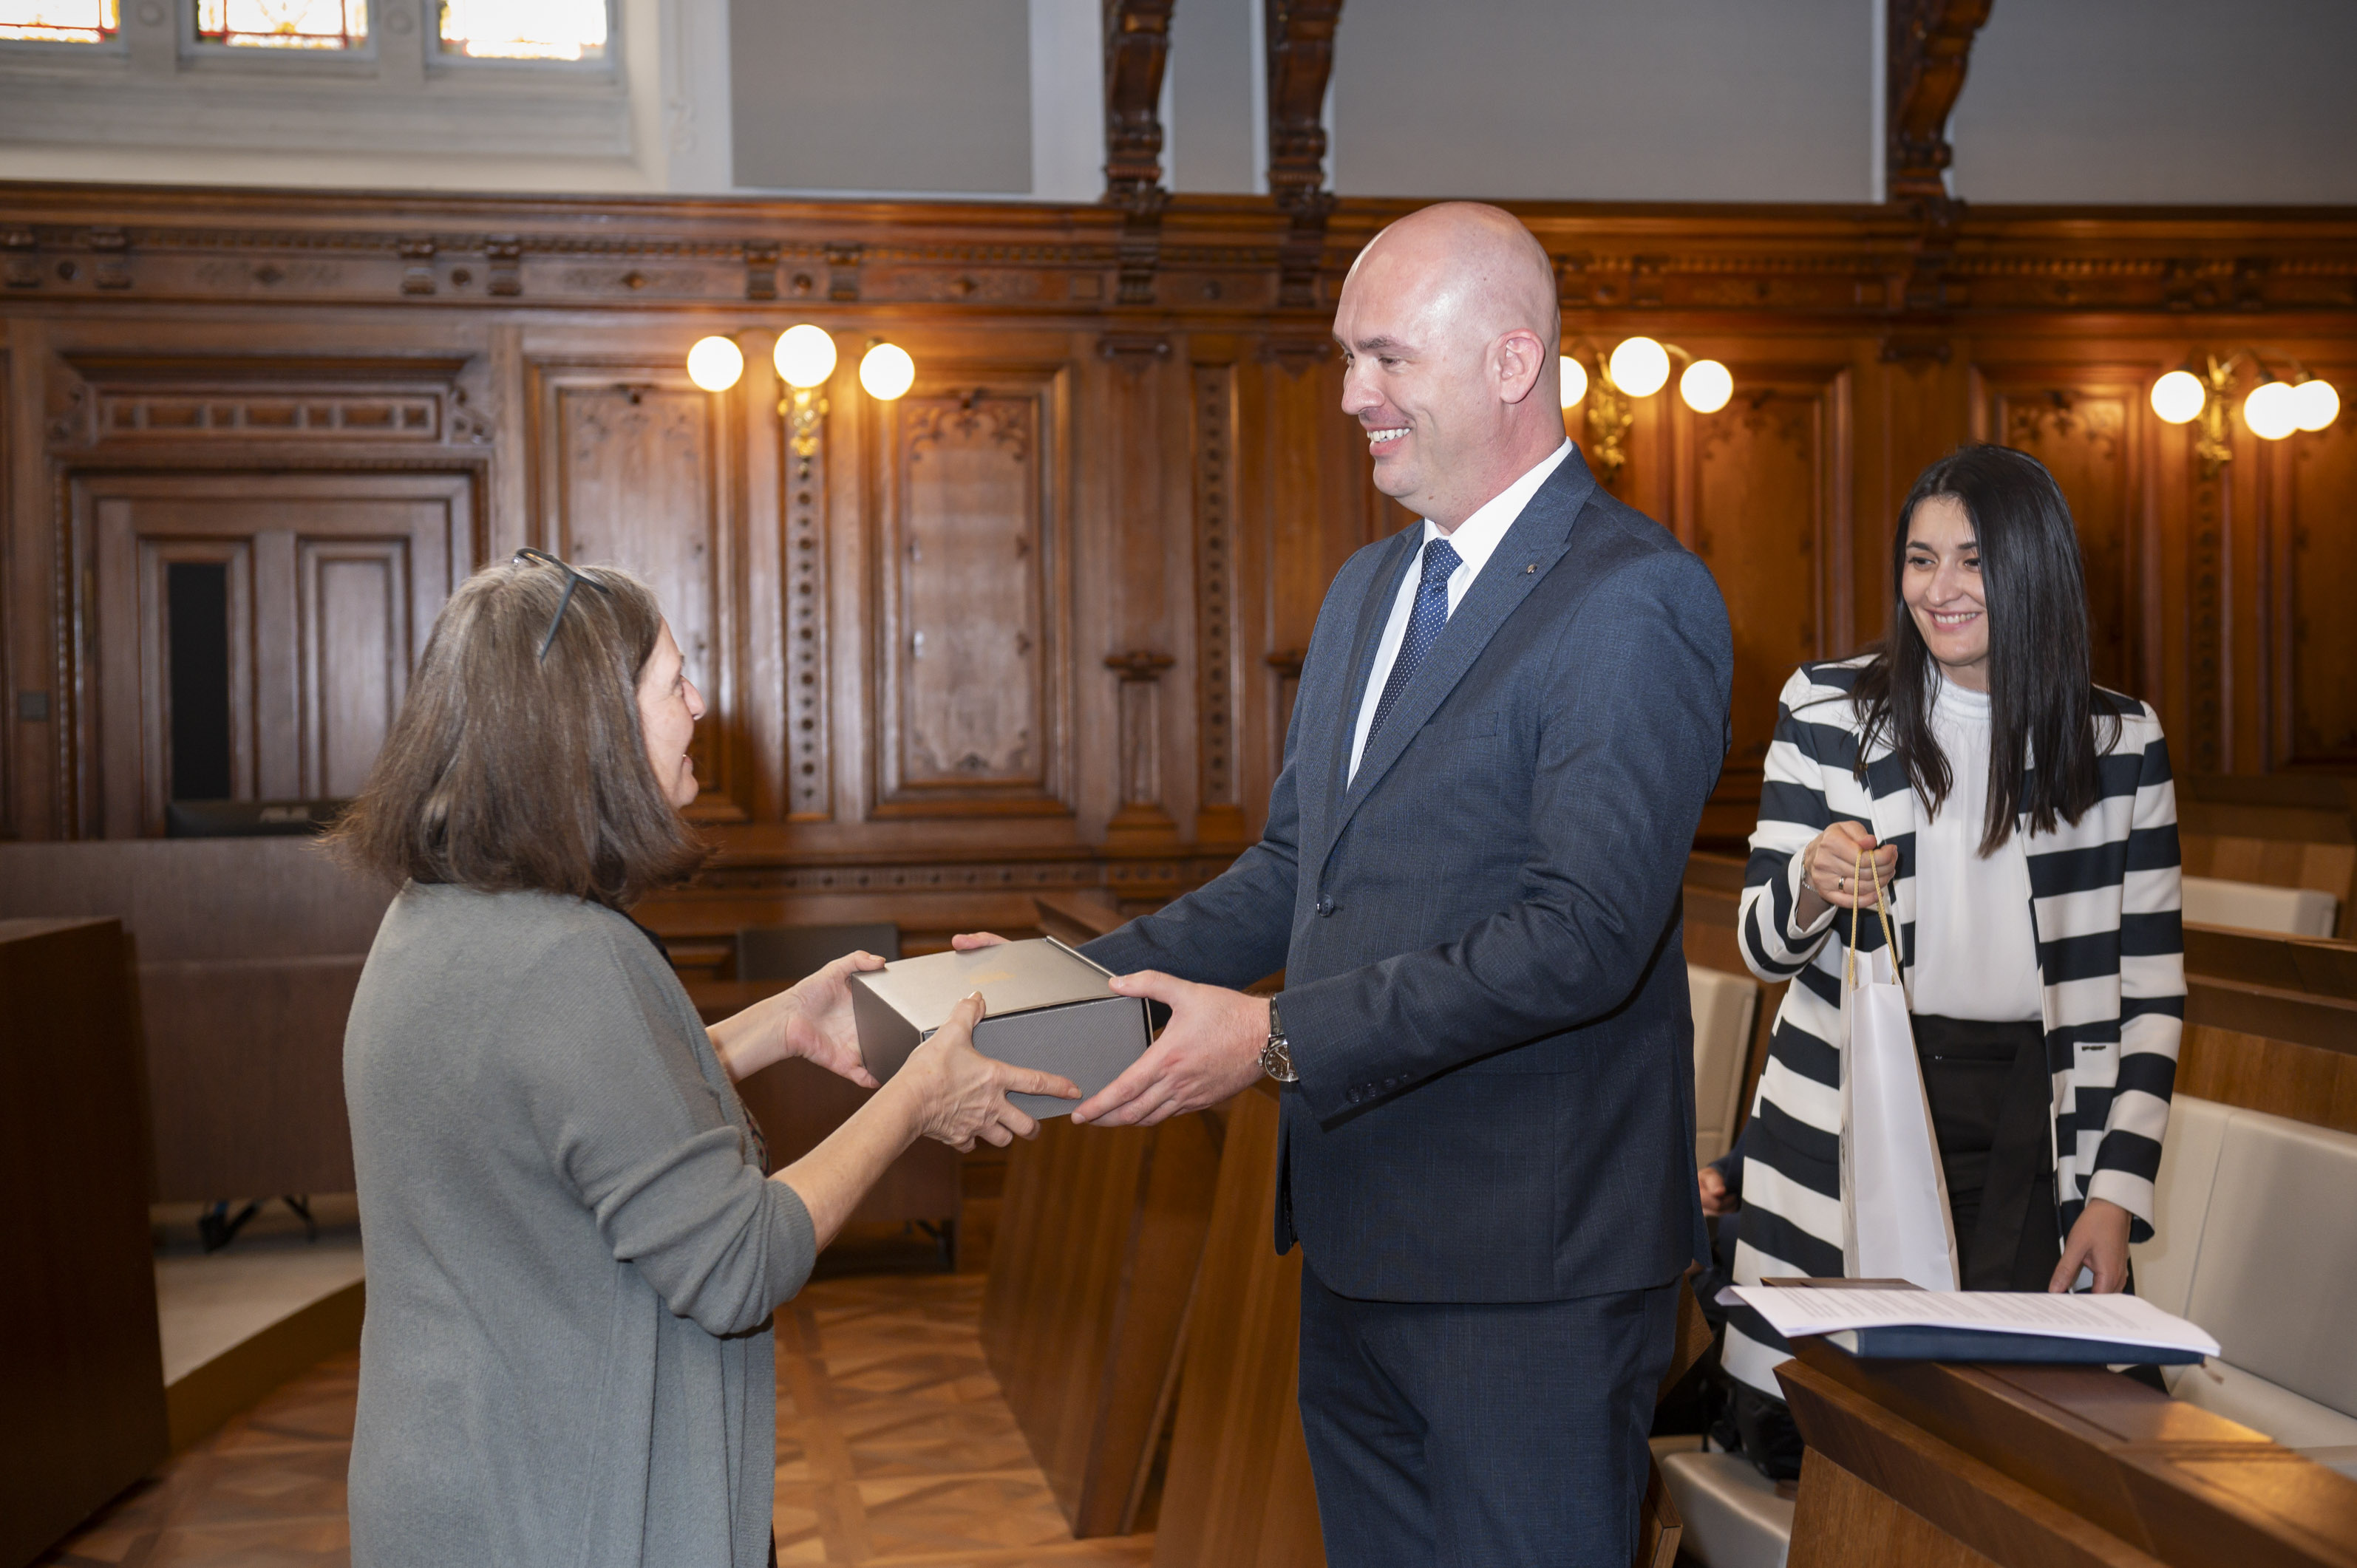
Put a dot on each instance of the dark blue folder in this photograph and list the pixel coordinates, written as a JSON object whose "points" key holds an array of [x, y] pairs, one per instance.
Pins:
{"points": [[1911, 1343]]}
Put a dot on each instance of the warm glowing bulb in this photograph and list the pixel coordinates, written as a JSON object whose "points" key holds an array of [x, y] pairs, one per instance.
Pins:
{"points": [[806, 356], [2271, 411], [1575, 380], [887, 372], [1706, 386], [2179, 396], [715, 363], [1640, 367], [2316, 403]]}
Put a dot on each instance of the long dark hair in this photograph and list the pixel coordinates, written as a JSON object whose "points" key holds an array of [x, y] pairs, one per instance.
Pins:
{"points": [[2042, 700]]}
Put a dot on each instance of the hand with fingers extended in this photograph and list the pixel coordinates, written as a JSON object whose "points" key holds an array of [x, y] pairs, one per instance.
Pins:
{"points": [[1840, 869], [813, 1020], [1210, 1050], [961, 1094]]}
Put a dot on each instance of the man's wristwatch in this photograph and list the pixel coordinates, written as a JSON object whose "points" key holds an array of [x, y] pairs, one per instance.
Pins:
{"points": [[1276, 1056]]}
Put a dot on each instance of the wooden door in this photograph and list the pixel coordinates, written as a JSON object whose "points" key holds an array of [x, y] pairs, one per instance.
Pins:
{"points": [[328, 587]]}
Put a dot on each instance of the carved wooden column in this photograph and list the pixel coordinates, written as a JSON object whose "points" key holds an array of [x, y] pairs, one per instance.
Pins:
{"points": [[1930, 42], [1138, 45], [1300, 57]]}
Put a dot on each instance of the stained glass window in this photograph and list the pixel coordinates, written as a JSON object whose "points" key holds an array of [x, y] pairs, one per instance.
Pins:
{"points": [[283, 23], [60, 21], [525, 29]]}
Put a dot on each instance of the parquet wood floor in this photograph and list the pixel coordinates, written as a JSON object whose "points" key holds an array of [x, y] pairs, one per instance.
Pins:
{"points": [[894, 1448]]}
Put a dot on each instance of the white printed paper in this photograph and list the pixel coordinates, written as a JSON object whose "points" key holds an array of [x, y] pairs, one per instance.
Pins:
{"points": [[1792, 1311]]}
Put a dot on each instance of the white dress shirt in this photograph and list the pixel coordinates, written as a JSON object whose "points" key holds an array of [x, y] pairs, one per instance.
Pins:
{"points": [[1474, 540], [1975, 954]]}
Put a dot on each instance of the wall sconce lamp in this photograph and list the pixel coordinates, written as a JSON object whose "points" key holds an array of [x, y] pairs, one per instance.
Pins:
{"points": [[805, 359], [2273, 410], [1639, 367]]}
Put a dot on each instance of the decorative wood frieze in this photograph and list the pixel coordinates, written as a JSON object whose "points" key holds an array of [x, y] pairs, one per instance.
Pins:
{"points": [[1929, 43]]}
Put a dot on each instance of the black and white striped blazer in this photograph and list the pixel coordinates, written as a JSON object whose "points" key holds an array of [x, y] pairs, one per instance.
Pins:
{"points": [[2111, 956]]}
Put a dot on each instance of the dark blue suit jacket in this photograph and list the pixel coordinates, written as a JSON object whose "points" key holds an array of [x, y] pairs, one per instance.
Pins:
{"points": [[1484, 986]]}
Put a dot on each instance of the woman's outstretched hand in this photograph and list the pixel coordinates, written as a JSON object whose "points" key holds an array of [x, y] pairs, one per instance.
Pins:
{"points": [[1838, 870], [810, 1019], [2099, 1241], [961, 1094]]}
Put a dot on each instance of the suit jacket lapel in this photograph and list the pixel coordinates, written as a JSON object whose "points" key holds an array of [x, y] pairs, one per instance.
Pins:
{"points": [[1537, 540], [1327, 768]]}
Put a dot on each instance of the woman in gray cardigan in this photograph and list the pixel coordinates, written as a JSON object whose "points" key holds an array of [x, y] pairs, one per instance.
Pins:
{"points": [[573, 1252]]}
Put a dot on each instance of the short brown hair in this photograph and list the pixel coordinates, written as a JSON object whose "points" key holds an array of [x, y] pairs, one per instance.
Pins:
{"points": [[507, 770]]}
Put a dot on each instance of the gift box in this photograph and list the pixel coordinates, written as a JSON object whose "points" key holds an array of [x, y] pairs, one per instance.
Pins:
{"points": [[1049, 1008]]}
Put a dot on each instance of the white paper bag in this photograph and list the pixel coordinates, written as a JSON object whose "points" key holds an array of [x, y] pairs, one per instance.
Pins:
{"points": [[1895, 1219]]}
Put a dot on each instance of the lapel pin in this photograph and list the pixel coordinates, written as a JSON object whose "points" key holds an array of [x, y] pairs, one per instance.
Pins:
{"points": [[1531, 568]]}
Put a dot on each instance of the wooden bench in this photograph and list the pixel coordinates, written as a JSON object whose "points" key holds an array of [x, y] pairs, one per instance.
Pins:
{"points": [[2281, 830]]}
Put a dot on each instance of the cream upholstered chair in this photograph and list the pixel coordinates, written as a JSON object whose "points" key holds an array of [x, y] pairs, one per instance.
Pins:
{"points": [[1724, 1008], [2260, 906], [2255, 1239]]}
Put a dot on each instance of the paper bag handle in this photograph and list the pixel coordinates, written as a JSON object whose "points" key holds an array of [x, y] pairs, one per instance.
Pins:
{"points": [[1865, 868]]}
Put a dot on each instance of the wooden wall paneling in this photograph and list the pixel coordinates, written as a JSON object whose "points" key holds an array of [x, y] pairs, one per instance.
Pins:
{"points": [[1239, 1489], [1760, 491], [12, 669], [789, 717], [316, 701], [2312, 559], [637, 467], [1145, 555], [2086, 424], [972, 552], [1918, 409]]}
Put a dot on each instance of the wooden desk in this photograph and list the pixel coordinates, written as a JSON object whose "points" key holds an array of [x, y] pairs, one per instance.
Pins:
{"points": [[1955, 1466], [798, 1105], [82, 1402], [1099, 1240], [249, 951]]}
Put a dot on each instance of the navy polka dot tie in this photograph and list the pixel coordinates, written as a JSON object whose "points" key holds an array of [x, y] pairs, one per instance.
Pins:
{"points": [[1424, 627]]}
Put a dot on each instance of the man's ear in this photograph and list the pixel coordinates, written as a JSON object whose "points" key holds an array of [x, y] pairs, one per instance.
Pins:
{"points": [[1520, 359]]}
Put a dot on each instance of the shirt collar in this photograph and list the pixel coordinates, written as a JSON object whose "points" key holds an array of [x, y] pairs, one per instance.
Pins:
{"points": [[1479, 535]]}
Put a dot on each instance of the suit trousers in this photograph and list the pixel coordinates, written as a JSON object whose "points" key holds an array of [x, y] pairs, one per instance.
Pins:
{"points": [[1482, 1435]]}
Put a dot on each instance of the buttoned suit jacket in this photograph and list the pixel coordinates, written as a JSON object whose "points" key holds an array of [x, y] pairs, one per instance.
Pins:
{"points": [[1484, 989]]}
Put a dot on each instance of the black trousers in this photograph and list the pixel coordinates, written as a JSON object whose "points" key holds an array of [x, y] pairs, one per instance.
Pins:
{"points": [[1480, 1435], [1992, 1113]]}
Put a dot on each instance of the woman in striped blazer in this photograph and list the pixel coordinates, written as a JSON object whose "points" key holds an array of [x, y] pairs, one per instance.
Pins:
{"points": [[2022, 824]]}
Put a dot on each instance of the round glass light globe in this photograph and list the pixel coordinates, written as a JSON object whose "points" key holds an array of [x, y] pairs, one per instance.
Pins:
{"points": [[1575, 380], [804, 356], [1706, 386], [2316, 402], [887, 372], [2271, 411], [2178, 396], [715, 363], [1640, 367]]}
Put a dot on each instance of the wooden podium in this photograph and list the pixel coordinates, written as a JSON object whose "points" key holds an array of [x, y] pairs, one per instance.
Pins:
{"points": [[1955, 1466]]}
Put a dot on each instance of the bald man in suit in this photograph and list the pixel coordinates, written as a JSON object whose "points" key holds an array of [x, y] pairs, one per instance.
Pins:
{"points": [[1508, 718]]}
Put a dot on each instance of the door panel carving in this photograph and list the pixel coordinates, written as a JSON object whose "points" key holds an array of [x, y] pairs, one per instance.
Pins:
{"points": [[2085, 432], [633, 477], [1759, 497], [356, 656], [974, 608]]}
